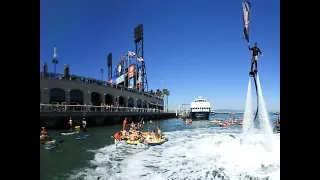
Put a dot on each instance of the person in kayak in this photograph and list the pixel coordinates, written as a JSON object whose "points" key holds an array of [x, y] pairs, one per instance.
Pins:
{"points": [[255, 51], [159, 133], [50, 142]]}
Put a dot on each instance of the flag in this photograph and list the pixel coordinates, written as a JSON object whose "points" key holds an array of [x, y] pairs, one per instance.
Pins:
{"points": [[131, 54], [139, 59], [54, 52], [246, 7]]}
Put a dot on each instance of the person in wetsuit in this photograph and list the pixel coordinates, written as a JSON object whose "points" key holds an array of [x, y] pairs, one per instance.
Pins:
{"points": [[255, 50]]}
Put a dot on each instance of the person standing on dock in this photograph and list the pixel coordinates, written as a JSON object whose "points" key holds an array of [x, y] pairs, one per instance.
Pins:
{"points": [[124, 124], [70, 123]]}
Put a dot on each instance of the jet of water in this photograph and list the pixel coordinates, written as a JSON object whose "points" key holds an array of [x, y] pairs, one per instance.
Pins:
{"points": [[263, 115], [248, 113]]}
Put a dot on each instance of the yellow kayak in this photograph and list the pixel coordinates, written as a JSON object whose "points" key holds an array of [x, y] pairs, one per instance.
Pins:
{"points": [[132, 142], [155, 142], [215, 121]]}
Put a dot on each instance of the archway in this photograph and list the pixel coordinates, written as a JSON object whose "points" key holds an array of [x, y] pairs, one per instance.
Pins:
{"points": [[139, 103], [95, 99], [122, 101], [144, 104], [130, 102], [57, 95], [76, 97], [108, 99]]}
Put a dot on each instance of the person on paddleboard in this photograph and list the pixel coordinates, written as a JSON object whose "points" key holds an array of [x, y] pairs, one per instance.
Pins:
{"points": [[84, 125], [43, 133], [70, 123], [124, 124], [255, 52]]}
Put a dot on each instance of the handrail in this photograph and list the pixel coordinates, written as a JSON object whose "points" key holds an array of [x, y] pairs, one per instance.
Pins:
{"points": [[93, 81], [89, 108]]}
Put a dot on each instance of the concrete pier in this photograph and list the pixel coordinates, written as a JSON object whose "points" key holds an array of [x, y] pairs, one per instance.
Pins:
{"points": [[57, 116]]}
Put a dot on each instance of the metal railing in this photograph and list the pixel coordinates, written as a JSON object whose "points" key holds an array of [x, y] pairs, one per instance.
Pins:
{"points": [[87, 80], [89, 108]]}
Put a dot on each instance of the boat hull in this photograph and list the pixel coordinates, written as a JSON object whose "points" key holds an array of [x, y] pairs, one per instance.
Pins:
{"points": [[200, 115]]}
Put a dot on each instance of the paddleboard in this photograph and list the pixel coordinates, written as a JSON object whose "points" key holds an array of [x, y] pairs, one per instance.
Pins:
{"points": [[66, 134], [83, 137]]}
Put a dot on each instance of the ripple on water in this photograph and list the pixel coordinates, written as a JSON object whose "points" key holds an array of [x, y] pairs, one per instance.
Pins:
{"points": [[189, 154]]}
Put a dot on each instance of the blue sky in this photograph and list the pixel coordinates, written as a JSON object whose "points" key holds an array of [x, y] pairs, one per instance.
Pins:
{"points": [[195, 46]]}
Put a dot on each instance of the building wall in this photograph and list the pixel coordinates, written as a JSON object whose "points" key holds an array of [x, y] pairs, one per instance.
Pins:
{"points": [[47, 84]]}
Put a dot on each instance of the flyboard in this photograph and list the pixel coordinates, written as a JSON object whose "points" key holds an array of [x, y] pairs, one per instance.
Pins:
{"points": [[70, 133]]}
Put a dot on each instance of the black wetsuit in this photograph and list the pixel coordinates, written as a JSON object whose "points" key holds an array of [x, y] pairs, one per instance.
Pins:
{"points": [[255, 51]]}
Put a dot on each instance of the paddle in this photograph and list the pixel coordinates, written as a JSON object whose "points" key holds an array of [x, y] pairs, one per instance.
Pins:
{"points": [[58, 142]]}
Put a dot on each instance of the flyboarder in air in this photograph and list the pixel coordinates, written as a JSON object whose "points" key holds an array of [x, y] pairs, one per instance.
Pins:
{"points": [[255, 50]]}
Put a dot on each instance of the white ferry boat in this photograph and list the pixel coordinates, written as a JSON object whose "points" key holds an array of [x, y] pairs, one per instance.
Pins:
{"points": [[200, 109]]}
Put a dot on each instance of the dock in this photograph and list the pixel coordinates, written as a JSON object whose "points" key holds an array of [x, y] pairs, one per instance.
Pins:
{"points": [[52, 115]]}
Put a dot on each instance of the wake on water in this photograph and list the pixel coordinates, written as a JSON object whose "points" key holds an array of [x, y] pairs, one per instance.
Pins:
{"points": [[198, 154], [208, 153]]}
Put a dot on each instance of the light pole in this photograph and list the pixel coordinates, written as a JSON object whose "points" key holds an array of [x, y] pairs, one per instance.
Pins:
{"points": [[101, 74]]}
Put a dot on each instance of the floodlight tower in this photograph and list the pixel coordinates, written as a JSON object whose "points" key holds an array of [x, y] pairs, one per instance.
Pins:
{"points": [[109, 63], [141, 72]]}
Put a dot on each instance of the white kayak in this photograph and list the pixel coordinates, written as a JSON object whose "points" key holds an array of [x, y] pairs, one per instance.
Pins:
{"points": [[70, 133]]}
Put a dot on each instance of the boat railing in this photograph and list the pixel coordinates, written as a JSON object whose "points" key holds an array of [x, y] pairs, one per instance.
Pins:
{"points": [[82, 79], [89, 108]]}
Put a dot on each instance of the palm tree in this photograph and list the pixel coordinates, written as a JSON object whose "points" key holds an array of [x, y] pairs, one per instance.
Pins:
{"points": [[55, 62], [159, 92], [166, 92], [151, 92]]}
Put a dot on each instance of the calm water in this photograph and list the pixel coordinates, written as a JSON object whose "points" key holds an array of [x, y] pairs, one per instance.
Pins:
{"points": [[199, 150]]}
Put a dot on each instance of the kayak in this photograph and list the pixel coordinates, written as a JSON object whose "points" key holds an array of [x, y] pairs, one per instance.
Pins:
{"points": [[132, 142], [83, 137], [50, 147], [66, 134], [156, 142]]}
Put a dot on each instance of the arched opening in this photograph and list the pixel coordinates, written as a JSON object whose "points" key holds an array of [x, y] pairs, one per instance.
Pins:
{"points": [[95, 99], [76, 97], [139, 103], [144, 104], [130, 102], [122, 101], [57, 95], [108, 99]]}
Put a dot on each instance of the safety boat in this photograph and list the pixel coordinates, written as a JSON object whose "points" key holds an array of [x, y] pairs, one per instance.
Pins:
{"points": [[200, 109]]}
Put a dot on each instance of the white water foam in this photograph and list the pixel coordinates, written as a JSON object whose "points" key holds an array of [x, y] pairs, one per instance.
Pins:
{"points": [[208, 153], [248, 113]]}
